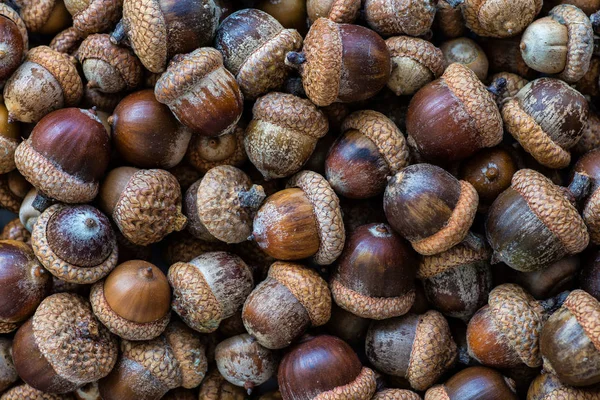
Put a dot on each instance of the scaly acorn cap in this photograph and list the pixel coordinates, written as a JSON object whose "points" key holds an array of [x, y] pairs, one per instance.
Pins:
{"points": [[407, 17], [12, 15], [459, 255], [420, 50], [35, 13], [15, 230], [548, 387], [591, 216], [328, 214], [514, 83], [8, 200], [8, 147], [344, 11], [67, 41], [205, 153], [586, 310], [189, 351], [7, 327], [26, 392], [183, 247], [396, 394], [97, 16], [500, 19], [362, 388]]}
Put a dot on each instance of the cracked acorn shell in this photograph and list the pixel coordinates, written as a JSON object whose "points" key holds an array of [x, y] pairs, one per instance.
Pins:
{"points": [[418, 348], [26, 392], [47, 17], [324, 367], [66, 41], [46, 81], [14, 41], [63, 346], [222, 205], [340, 11], [475, 383], [204, 153], [15, 230], [10, 136], [202, 94], [209, 289], [548, 387], [283, 134], [281, 308], [93, 16], [561, 43], [400, 17], [215, 387], [144, 204]]}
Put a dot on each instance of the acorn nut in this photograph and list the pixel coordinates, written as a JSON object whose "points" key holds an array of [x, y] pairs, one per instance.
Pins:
{"points": [[400, 17], [47, 17], [93, 16], [14, 42], [475, 383], [340, 11], [204, 152], [467, 52]]}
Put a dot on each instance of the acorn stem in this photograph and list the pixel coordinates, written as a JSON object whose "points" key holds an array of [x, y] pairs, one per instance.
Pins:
{"points": [[295, 59], [498, 86], [554, 303], [118, 34], [454, 3], [580, 186], [41, 202], [253, 198]]}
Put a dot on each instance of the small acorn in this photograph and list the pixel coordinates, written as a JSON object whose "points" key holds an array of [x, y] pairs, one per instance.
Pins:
{"points": [[15, 230], [47, 17], [465, 51], [548, 387], [204, 153], [13, 189], [93, 16], [340, 11], [215, 387], [106, 102], [24, 391], [400, 17], [14, 41], [475, 383], [67, 41]]}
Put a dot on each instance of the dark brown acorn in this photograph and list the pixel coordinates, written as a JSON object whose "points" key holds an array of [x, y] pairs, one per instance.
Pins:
{"points": [[14, 41], [475, 383]]}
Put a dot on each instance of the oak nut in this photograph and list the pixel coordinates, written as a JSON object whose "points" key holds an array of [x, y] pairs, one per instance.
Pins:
{"points": [[125, 188], [24, 391], [400, 17], [106, 102], [429, 207], [371, 149], [375, 274], [254, 45], [321, 367], [340, 11], [341, 63], [283, 134], [46, 81], [204, 153], [215, 387], [134, 301], [63, 346], [418, 348], [14, 42], [290, 13], [222, 205], [465, 51], [548, 387], [209, 289], [475, 383], [47, 17], [108, 67], [92, 16], [304, 220], [15, 230], [202, 94], [13, 190], [281, 308], [534, 204], [415, 63], [569, 342], [242, 361], [458, 104], [561, 43], [146, 134], [67, 41], [10, 136], [547, 132]]}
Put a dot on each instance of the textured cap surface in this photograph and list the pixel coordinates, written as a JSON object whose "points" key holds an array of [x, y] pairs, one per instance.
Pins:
{"points": [[7, 327], [392, 17], [157, 357], [147, 31], [396, 394], [344, 11], [8, 199], [7, 154], [458, 255], [362, 388], [500, 18], [98, 16], [586, 310], [26, 392], [420, 50], [591, 216], [66, 41], [436, 393], [189, 352], [35, 14]]}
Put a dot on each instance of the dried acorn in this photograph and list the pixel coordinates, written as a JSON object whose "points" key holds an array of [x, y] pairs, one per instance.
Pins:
{"points": [[341, 63], [465, 51], [340, 11], [14, 42], [204, 153], [475, 383], [324, 367], [400, 17], [430, 207], [15, 230], [418, 348], [548, 387], [66, 41], [283, 134], [459, 105], [63, 346], [282, 307], [47, 17], [92, 16]]}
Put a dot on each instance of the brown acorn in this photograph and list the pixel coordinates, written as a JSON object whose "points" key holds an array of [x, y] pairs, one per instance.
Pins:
{"points": [[14, 43], [105, 102], [449, 21], [10, 136], [475, 383], [590, 138], [340, 11], [204, 153], [400, 17], [548, 387], [15, 230], [47, 17], [465, 51], [290, 13], [93, 16], [215, 387], [396, 394], [13, 189], [504, 55], [514, 83], [351, 328], [24, 391], [67, 41]]}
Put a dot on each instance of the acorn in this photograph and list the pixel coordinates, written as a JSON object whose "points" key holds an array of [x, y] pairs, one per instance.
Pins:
{"points": [[415, 62], [589, 85], [548, 387], [475, 383], [209, 289], [15, 230], [202, 94], [67, 41], [351, 328], [533, 223], [46, 81], [478, 124], [400, 17], [93, 16], [10, 136], [204, 153], [106, 66], [222, 204], [8, 373], [341, 63], [504, 55], [290, 13], [514, 83], [324, 367], [449, 21], [27, 213], [340, 11], [590, 138], [418, 348], [304, 220], [13, 189], [106, 102], [47, 17], [561, 43], [430, 208], [465, 51], [125, 188], [215, 387], [63, 346], [14, 43], [183, 247], [282, 307], [24, 391]]}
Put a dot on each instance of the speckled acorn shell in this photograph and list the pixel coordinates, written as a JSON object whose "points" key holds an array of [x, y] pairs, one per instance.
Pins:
{"points": [[415, 62], [15, 52], [26, 392], [92, 16], [205, 153], [499, 18], [209, 289], [514, 83], [534, 204], [340, 11], [400, 17], [467, 52], [56, 77], [283, 134], [202, 94], [71, 346], [547, 132], [13, 189], [291, 299], [548, 387], [222, 205], [474, 382], [418, 348], [15, 230], [396, 394], [108, 67], [67, 41], [215, 387]]}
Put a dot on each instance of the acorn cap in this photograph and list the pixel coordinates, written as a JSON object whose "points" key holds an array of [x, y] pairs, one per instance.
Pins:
{"points": [[15, 230], [78, 347], [362, 388], [61, 268], [437, 392], [323, 67], [200, 145], [265, 68], [433, 351], [50, 179], [35, 14], [156, 357], [67, 41], [384, 133], [422, 51], [499, 19], [549, 203], [7, 149], [456, 228], [328, 214], [63, 68], [215, 385], [478, 102], [586, 310], [182, 247], [149, 207], [99, 47], [120, 326], [520, 318], [226, 202], [147, 31], [11, 14], [26, 392], [581, 40], [396, 394], [591, 216], [8, 200], [548, 387], [344, 11], [97, 16], [308, 288], [411, 18], [189, 352], [7, 327], [459, 255]]}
